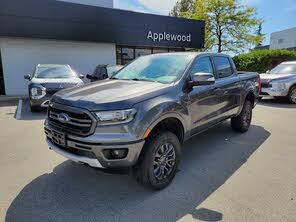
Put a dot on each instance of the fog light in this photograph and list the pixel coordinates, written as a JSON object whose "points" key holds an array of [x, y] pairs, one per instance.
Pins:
{"points": [[115, 153]]}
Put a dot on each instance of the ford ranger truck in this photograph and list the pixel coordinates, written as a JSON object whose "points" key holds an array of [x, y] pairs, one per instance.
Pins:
{"points": [[140, 117]]}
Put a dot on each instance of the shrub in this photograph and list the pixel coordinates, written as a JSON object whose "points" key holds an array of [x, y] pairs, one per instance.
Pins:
{"points": [[262, 60]]}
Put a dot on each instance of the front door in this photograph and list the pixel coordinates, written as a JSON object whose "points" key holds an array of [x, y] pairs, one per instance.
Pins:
{"points": [[203, 100]]}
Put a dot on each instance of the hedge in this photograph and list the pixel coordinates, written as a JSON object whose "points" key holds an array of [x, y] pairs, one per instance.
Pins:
{"points": [[262, 60]]}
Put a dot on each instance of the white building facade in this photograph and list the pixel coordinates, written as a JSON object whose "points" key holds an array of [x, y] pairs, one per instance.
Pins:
{"points": [[285, 39]]}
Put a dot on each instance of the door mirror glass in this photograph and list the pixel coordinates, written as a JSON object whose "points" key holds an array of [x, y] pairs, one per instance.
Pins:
{"points": [[200, 79], [28, 77]]}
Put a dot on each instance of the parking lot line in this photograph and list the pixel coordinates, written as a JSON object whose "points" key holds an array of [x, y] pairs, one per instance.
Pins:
{"points": [[19, 110]]}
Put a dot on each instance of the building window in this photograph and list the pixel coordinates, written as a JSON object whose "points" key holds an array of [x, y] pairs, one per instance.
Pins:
{"points": [[159, 50], [140, 52], [280, 41], [126, 54]]}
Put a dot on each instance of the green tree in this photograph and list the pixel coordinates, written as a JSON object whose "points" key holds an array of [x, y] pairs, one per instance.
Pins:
{"points": [[260, 35], [181, 7], [229, 24]]}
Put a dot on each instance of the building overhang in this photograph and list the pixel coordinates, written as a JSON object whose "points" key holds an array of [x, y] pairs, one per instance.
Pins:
{"points": [[49, 19]]}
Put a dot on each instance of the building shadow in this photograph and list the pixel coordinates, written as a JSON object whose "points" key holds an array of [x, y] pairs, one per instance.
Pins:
{"points": [[73, 192], [277, 103], [26, 113], [8, 103]]}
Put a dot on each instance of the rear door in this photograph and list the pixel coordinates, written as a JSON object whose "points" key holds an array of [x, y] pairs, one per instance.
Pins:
{"points": [[228, 87]]}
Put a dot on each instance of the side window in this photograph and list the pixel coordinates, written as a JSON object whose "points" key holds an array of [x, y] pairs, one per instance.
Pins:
{"points": [[202, 65], [224, 68]]}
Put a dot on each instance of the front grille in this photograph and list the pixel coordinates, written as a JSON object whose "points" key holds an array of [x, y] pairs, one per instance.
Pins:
{"points": [[80, 122]]}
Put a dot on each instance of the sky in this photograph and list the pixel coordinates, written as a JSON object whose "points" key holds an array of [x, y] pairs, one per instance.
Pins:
{"points": [[277, 14]]}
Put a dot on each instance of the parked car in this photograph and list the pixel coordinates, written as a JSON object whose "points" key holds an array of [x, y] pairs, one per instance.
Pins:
{"points": [[142, 115], [46, 80], [280, 82], [103, 72]]}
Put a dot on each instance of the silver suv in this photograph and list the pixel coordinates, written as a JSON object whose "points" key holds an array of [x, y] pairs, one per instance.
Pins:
{"points": [[280, 81]]}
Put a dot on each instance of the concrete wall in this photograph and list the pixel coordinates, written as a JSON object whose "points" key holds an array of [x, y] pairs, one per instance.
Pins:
{"points": [[102, 3], [283, 39], [20, 56]]}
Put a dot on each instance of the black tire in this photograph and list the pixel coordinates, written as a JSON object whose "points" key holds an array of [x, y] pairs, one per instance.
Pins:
{"points": [[35, 109], [150, 170], [292, 95], [242, 122]]}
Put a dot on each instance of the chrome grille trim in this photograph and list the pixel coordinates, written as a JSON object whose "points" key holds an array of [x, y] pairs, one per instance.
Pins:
{"points": [[77, 126]]}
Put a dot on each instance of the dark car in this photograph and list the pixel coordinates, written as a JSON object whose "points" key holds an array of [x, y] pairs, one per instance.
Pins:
{"points": [[46, 80], [141, 116], [103, 72]]}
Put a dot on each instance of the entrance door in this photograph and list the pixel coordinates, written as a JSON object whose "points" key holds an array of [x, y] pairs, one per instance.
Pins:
{"points": [[2, 89]]}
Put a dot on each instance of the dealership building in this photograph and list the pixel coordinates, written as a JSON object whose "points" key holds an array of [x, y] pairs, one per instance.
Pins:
{"points": [[83, 34]]}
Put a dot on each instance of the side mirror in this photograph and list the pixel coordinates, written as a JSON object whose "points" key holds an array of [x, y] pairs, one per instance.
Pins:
{"points": [[201, 79], [81, 76], [28, 77], [268, 71], [89, 76]]}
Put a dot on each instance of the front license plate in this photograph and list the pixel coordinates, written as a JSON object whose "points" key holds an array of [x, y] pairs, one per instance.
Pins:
{"points": [[58, 138]]}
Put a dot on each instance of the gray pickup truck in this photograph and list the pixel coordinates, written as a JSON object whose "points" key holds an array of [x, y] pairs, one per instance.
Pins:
{"points": [[140, 117]]}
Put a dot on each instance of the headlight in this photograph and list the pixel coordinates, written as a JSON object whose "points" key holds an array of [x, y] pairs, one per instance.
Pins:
{"points": [[37, 92], [115, 117], [278, 85]]}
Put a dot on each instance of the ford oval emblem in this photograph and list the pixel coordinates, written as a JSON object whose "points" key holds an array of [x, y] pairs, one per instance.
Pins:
{"points": [[63, 118]]}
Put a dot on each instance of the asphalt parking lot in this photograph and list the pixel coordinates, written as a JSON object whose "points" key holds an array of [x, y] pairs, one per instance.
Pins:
{"points": [[224, 176]]}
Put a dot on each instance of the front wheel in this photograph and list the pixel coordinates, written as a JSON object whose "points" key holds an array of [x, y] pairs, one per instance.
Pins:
{"points": [[242, 122], [157, 165], [292, 95]]}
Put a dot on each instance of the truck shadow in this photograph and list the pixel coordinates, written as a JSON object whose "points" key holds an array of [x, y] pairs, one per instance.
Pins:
{"points": [[276, 103], [76, 193]]}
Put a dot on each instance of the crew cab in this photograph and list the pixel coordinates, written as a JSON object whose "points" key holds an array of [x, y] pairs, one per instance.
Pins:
{"points": [[141, 116], [280, 82]]}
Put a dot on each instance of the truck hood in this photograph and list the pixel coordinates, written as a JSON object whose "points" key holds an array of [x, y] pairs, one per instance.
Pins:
{"points": [[275, 76], [110, 94]]}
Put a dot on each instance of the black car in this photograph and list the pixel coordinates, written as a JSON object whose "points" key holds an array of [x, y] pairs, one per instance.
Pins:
{"points": [[46, 80], [103, 72]]}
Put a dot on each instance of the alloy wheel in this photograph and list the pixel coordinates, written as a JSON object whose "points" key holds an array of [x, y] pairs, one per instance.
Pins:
{"points": [[164, 161]]}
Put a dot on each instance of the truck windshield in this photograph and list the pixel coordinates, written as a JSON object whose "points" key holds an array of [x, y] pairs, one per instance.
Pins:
{"points": [[160, 68], [56, 72], [284, 69]]}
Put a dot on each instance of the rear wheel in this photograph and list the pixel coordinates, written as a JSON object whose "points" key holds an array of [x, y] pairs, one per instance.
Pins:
{"points": [[157, 165], [242, 122], [292, 95]]}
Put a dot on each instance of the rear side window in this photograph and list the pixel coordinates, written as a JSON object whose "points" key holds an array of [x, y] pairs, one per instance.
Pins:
{"points": [[203, 64], [223, 65]]}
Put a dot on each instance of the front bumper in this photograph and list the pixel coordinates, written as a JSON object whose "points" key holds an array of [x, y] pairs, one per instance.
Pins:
{"points": [[80, 149], [273, 92]]}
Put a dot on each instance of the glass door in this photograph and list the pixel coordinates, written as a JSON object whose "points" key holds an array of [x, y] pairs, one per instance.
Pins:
{"points": [[2, 88]]}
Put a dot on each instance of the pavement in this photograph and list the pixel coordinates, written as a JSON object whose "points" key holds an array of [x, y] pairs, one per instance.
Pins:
{"points": [[223, 176]]}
